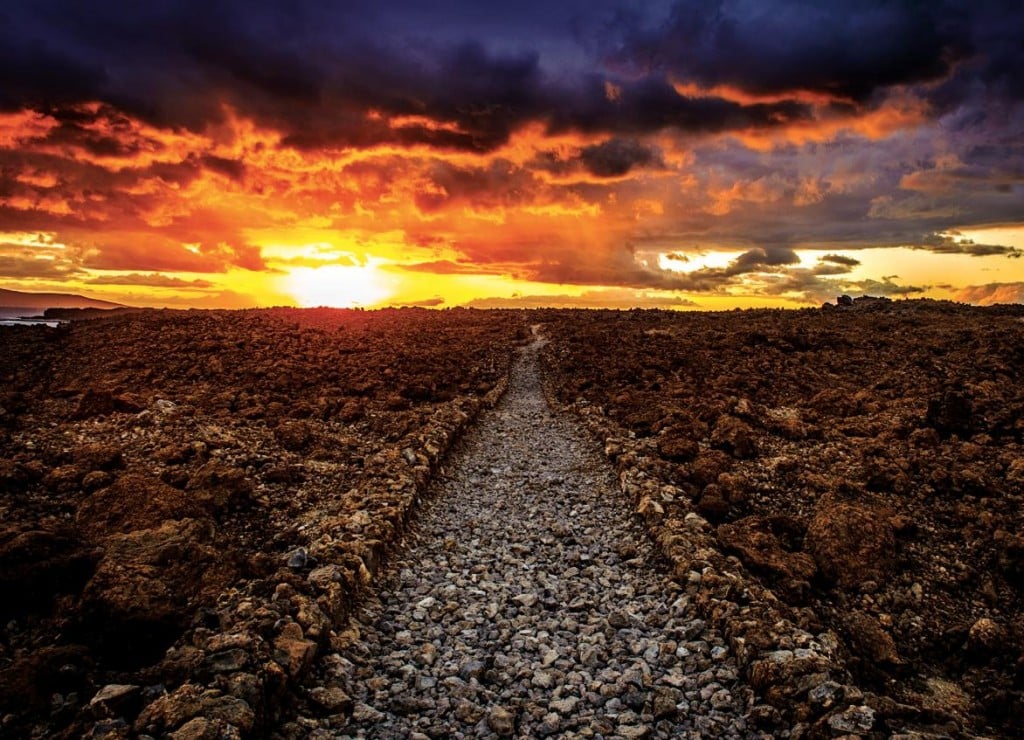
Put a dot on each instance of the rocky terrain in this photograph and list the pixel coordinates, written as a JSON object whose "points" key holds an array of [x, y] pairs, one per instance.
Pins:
{"points": [[853, 473], [530, 605], [193, 505], [192, 500]]}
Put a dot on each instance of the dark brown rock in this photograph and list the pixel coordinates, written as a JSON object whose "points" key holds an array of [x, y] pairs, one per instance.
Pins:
{"points": [[133, 502], [351, 410], [735, 437], [144, 589], [103, 403], [950, 414], [217, 486], [99, 457], [712, 504], [869, 639], [678, 445], [708, 465], [761, 551], [36, 565], [17, 476], [295, 436], [851, 543], [30, 680]]}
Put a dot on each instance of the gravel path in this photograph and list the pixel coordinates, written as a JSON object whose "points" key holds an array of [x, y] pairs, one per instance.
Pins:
{"points": [[528, 604]]}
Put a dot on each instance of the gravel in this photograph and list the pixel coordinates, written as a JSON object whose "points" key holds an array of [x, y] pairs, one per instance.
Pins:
{"points": [[527, 604]]}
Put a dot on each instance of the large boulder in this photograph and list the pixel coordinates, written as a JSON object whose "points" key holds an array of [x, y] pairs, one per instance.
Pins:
{"points": [[217, 486], [147, 586], [38, 563], [851, 543], [678, 444], [752, 539], [952, 413], [132, 502], [103, 403], [734, 436]]}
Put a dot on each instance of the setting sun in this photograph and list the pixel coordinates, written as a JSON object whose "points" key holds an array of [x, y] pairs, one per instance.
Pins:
{"points": [[455, 171], [337, 286]]}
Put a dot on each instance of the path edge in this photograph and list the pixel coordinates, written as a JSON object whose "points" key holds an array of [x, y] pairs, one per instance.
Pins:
{"points": [[802, 680], [276, 633]]}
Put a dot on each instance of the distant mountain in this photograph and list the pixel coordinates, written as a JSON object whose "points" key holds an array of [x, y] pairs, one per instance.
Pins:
{"points": [[18, 299]]}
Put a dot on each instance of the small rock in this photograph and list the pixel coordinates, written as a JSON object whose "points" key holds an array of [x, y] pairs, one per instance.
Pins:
{"points": [[526, 600], [985, 637], [551, 724], [618, 620], [853, 721], [227, 661], [331, 698], [364, 713], [298, 558], [825, 695], [468, 712], [427, 654], [564, 706], [321, 578], [633, 731], [293, 651], [542, 680], [501, 721], [114, 695], [663, 703], [472, 669]]}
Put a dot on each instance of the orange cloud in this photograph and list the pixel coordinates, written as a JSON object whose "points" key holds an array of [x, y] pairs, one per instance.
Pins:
{"points": [[900, 111]]}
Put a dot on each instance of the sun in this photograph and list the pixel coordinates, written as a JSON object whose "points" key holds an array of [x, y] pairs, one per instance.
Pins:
{"points": [[337, 286]]}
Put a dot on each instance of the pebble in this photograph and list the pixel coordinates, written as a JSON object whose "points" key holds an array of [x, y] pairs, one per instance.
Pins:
{"points": [[501, 721], [528, 603]]}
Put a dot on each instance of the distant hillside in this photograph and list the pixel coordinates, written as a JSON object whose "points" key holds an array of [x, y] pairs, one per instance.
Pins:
{"points": [[18, 299]]}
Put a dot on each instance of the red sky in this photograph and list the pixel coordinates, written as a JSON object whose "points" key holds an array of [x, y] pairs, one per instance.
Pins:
{"points": [[687, 154]]}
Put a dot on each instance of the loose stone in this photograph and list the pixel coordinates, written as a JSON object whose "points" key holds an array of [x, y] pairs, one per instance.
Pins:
{"points": [[529, 605]]}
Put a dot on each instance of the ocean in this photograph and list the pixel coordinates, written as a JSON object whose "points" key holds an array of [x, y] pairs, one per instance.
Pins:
{"points": [[24, 317]]}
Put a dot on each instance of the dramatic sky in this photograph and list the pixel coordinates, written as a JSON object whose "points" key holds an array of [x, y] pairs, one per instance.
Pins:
{"points": [[710, 153]]}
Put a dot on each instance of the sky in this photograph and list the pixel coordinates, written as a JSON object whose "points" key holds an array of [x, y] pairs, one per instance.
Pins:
{"points": [[685, 154]]}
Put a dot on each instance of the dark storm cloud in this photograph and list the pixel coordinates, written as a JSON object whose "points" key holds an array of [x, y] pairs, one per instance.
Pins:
{"points": [[499, 184], [31, 269], [840, 260], [762, 258], [651, 103], [315, 71], [935, 85], [849, 49], [955, 244], [616, 157], [230, 168], [804, 285]]}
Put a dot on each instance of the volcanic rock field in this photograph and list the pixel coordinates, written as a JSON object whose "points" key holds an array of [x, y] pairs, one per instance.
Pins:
{"points": [[408, 523]]}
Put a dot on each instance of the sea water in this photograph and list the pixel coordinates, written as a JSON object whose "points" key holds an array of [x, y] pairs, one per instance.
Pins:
{"points": [[24, 317]]}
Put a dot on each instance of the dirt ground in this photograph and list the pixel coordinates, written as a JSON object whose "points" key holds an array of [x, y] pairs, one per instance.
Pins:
{"points": [[164, 473], [863, 462]]}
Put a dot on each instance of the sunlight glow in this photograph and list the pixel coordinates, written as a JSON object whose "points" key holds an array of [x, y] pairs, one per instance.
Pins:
{"points": [[693, 261], [338, 286]]}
